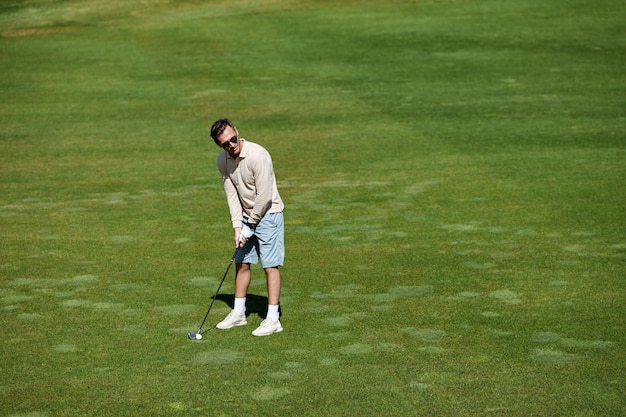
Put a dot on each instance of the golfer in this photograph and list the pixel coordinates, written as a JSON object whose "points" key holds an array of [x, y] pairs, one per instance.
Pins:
{"points": [[256, 212]]}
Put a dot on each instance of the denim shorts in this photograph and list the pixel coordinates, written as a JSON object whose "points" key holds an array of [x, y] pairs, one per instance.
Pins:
{"points": [[267, 243]]}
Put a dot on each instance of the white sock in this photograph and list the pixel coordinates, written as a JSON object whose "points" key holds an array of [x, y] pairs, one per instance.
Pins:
{"points": [[272, 312], [240, 305]]}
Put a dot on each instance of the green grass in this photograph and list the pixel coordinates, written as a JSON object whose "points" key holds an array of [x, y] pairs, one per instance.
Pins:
{"points": [[453, 173]]}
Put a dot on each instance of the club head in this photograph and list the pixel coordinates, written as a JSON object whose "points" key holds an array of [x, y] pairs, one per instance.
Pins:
{"points": [[194, 336]]}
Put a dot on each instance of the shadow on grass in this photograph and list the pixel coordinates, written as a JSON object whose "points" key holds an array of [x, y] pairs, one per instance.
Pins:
{"points": [[255, 304]]}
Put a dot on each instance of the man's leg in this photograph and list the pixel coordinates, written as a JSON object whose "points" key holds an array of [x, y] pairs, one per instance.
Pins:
{"points": [[271, 324], [270, 234], [237, 316], [272, 276], [242, 280]]}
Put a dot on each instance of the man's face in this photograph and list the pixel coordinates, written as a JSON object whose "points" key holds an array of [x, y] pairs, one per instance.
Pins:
{"points": [[230, 142]]}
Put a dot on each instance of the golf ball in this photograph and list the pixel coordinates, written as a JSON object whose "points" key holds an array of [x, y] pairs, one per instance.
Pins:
{"points": [[198, 336]]}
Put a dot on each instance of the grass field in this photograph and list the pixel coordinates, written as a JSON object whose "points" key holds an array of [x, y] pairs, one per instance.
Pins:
{"points": [[454, 177]]}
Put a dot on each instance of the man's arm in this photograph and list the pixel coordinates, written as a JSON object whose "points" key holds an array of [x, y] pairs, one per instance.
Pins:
{"points": [[234, 205], [232, 198], [264, 180]]}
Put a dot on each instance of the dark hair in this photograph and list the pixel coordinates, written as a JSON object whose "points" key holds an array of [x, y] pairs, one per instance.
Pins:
{"points": [[219, 126]]}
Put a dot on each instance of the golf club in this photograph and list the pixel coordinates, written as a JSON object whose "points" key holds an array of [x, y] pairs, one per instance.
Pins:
{"points": [[198, 334]]}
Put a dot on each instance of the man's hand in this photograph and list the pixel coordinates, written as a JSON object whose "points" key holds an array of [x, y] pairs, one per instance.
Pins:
{"points": [[238, 237], [242, 235]]}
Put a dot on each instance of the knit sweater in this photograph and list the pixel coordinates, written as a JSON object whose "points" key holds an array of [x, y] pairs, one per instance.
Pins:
{"points": [[249, 183]]}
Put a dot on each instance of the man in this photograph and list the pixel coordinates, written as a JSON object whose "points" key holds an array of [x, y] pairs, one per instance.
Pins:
{"points": [[256, 212]]}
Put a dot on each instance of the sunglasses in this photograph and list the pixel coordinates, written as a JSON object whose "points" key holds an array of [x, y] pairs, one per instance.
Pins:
{"points": [[226, 145]]}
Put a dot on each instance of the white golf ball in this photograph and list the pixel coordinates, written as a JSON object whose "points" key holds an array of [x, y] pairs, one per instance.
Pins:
{"points": [[198, 336]]}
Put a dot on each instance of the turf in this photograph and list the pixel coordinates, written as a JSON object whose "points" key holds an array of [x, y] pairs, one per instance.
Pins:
{"points": [[453, 173]]}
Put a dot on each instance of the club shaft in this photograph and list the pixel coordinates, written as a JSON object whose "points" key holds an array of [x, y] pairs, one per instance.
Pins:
{"points": [[232, 259]]}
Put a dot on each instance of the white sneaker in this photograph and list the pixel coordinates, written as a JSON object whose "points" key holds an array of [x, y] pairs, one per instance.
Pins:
{"points": [[232, 320], [267, 327]]}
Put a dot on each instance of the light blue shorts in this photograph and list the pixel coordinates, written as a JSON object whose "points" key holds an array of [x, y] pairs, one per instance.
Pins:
{"points": [[267, 243]]}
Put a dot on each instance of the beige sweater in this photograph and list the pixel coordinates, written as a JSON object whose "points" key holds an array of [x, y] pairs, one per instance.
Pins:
{"points": [[249, 183]]}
